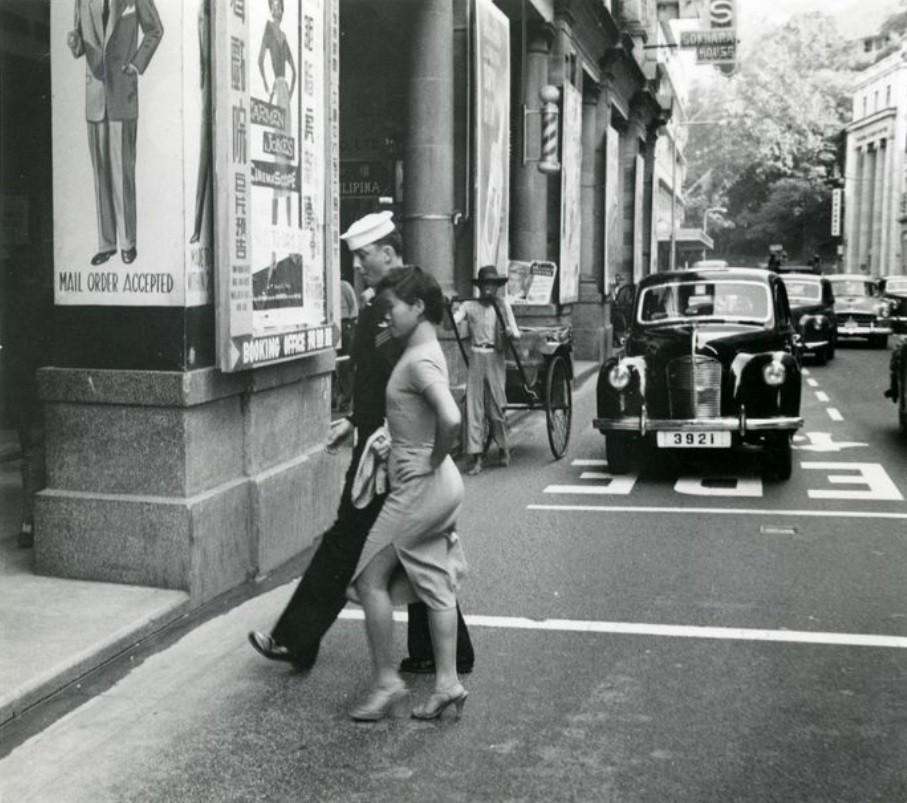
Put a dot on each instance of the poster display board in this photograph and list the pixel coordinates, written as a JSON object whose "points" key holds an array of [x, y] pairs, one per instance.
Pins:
{"points": [[613, 235], [530, 282], [276, 178], [492, 169], [571, 193], [131, 184]]}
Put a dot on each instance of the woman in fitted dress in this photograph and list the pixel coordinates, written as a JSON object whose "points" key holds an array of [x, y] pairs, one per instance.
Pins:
{"points": [[414, 533]]}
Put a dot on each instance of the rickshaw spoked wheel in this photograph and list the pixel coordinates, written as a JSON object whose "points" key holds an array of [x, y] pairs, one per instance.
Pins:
{"points": [[558, 405]]}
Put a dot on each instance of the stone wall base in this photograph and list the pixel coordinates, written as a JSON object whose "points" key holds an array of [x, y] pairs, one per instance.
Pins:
{"points": [[194, 481]]}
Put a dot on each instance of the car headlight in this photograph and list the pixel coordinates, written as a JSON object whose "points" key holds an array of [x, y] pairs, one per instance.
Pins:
{"points": [[774, 374], [884, 311], [816, 322], [619, 376]]}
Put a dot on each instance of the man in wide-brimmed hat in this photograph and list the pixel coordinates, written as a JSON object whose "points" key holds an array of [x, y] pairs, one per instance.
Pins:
{"points": [[485, 383]]}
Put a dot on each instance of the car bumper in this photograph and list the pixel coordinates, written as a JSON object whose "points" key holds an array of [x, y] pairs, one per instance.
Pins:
{"points": [[741, 424], [813, 345], [863, 331]]}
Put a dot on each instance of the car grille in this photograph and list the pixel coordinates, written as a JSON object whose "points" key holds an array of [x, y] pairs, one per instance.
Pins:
{"points": [[862, 318], [694, 387]]}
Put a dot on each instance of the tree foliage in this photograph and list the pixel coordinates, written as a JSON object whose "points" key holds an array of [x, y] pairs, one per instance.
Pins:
{"points": [[787, 101]]}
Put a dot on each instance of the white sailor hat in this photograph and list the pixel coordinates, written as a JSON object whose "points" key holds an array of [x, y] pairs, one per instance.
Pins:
{"points": [[368, 229]]}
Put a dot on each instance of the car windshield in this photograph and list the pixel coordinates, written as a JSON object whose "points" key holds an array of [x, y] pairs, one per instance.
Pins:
{"points": [[697, 300], [803, 290], [896, 286], [854, 287]]}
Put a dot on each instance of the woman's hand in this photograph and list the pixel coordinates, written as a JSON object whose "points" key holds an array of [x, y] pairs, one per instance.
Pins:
{"points": [[381, 447], [340, 431]]}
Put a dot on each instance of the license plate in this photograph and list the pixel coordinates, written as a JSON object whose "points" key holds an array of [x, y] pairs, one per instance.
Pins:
{"points": [[850, 323], [693, 440]]}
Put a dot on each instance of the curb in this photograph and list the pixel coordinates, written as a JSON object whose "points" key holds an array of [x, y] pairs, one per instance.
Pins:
{"points": [[16, 701]]}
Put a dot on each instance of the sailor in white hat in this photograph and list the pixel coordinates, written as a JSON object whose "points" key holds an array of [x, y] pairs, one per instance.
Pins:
{"points": [[376, 246]]}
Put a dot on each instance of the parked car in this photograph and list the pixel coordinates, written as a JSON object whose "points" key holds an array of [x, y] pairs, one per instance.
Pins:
{"points": [[860, 309], [897, 387], [893, 289], [812, 307], [709, 363]]}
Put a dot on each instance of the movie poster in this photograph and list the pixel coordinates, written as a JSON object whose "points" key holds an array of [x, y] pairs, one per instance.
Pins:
{"points": [[492, 171], [127, 87], [277, 145]]}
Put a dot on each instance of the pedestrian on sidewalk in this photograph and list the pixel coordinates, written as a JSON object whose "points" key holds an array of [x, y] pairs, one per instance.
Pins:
{"points": [[415, 529], [376, 246], [487, 376]]}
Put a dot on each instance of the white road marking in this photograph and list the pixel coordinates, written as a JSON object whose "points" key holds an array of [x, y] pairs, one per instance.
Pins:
{"points": [[823, 442], [609, 485], [722, 511], [821, 395], [813, 383], [671, 631], [805, 371], [736, 486], [834, 414], [870, 475], [589, 463]]}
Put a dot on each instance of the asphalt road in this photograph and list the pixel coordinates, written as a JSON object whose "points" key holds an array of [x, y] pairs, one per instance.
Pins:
{"points": [[690, 633]]}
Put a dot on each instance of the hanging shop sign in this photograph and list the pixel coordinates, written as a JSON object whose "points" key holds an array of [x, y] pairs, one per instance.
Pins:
{"points": [[837, 195], [571, 193], [131, 155], [276, 178], [492, 152]]}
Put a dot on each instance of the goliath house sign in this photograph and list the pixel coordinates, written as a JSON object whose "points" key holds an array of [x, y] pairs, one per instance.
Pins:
{"points": [[276, 136]]}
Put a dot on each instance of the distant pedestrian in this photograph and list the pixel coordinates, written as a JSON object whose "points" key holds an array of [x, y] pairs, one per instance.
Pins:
{"points": [[377, 246], [415, 529], [773, 262], [486, 380]]}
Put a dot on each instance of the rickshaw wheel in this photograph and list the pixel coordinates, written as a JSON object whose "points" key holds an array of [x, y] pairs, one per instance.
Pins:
{"points": [[558, 405]]}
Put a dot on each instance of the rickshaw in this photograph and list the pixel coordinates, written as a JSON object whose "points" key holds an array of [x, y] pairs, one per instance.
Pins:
{"points": [[539, 375]]}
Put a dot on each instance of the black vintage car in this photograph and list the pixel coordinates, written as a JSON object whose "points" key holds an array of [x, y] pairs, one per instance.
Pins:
{"points": [[708, 363], [897, 389], [893, 289], [861, 312], [812, 307]]}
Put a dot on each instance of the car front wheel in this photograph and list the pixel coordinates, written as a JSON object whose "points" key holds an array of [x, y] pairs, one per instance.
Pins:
{"points": [[780, 455], [618, 449]]}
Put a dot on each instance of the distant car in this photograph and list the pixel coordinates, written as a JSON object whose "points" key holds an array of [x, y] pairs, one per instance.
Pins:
{"points": [[709, 363], [710, 263], [812, 307], [893, 289], [897, 388], [860, 309], [789, 268]]}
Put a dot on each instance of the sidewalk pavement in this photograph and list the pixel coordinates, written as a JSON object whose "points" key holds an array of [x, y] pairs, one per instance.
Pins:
{"points": [[55, 631]]}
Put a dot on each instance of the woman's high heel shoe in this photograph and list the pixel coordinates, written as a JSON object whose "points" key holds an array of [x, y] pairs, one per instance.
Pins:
{"points": [[379, 702], [439, 701]]}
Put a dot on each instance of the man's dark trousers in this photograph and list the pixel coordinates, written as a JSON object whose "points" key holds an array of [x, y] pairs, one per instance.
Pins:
{"points": [[321, 593]]}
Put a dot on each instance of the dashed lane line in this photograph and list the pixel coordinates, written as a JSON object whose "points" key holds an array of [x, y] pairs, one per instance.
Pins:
{"points": [[669, 631], [821, 395], [813, 383], [834, 414]]}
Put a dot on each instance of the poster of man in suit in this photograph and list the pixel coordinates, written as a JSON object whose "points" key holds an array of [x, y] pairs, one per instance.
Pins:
{"points": [[106, 34], [131, 152]]}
